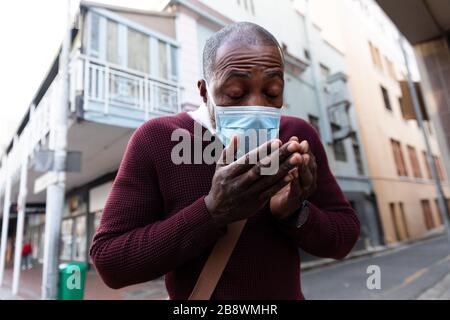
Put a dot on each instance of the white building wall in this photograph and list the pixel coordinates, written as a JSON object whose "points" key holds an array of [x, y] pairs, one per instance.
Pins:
{"points": [[189, 64]]}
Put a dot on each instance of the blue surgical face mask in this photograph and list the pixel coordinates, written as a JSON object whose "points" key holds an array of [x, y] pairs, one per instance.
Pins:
{"points": [[254, 125]]}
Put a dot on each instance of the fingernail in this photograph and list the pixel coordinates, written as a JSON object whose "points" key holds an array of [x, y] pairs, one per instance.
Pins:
{"points": [[294, 159]]}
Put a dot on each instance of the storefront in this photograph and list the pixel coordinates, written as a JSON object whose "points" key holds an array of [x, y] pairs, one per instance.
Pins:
{"points": [[97, 200], [82, 215], [35, 233], [73, 228]]}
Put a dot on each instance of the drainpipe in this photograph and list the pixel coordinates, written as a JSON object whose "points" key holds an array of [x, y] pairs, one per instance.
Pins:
{"points": [[442, 203]]}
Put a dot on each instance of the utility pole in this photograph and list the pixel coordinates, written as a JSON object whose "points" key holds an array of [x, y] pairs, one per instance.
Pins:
{"points": [[56, 191], [442, 203], [21, 207]]}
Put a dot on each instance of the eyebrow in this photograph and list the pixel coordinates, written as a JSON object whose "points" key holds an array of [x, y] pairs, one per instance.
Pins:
{"points": [[237, 74], [274, 73]]}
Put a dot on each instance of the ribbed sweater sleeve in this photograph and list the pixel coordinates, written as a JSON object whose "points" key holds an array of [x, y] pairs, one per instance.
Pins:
{"points": [[135, 242], [333, 227]]}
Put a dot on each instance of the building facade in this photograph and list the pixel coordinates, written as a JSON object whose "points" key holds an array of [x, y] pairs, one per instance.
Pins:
{"points": [[393, 142]]}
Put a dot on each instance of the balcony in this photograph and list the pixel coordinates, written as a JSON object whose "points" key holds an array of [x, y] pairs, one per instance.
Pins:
{"points": [[112, 100], [338, 102], [110, 94]]}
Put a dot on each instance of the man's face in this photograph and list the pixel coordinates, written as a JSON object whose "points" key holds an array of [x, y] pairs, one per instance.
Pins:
{"points": [[246, 75]]}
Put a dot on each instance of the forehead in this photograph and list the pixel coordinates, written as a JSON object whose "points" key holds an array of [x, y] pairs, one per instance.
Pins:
{"points": [[247, 56]]}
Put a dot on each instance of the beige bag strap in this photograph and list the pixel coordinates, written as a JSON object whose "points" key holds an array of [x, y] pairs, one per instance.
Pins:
{"points": [[217, 261]]}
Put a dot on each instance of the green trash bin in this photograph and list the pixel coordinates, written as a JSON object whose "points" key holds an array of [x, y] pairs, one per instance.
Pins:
{"points": [[72, 278]]}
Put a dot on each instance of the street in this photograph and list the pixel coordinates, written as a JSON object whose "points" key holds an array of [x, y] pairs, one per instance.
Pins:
{"points": [[405, 273]]}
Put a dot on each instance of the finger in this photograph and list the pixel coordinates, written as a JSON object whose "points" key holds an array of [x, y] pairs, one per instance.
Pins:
{"points": [[249, 160], [304, 146], [306, 159], [265, 181], [296, 188], [294, 138], [273, 161], [229, 152], [306, 178], [274, 189]]}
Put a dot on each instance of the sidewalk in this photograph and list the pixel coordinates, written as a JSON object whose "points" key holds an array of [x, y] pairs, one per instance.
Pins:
{"points": [[30, 288], [440, 291]]}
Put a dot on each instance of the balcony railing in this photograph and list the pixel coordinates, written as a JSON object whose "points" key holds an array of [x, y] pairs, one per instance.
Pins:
{"points": [[113, 87], [113, 90]]}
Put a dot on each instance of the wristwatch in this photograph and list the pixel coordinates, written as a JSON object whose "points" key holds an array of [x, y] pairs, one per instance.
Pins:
{"points": [[298, 218]]}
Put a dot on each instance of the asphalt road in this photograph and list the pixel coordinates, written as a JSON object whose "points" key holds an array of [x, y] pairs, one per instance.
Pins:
{"points": [[405, 273]]}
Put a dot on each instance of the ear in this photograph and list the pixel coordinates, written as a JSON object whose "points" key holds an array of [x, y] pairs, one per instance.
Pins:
{"points": [[202, 90]]}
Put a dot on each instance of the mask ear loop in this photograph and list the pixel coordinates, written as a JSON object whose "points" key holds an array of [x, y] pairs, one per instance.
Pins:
{"points": [[209, 94]]}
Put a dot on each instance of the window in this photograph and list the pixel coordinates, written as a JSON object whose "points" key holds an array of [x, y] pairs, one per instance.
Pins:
{"points": [[138, 51], [112, 44], [439, 168], [338, 146], [376, 57], [95, 35], [427, 214], [314, 121], [398, 157], [307, 54], [132, 48], [66, 239], [414, 162], [387, 101], [80, 238], [339, 151], [162, 56], [324, 73], [358, 160], [402, 109], [173, 64], [427, 165], [391, 69]]}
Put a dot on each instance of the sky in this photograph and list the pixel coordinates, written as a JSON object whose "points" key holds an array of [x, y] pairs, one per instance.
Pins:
{"points": [[31, 32]]}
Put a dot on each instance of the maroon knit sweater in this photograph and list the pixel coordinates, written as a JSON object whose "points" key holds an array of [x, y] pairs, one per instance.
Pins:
{"points": [[155, 222]]}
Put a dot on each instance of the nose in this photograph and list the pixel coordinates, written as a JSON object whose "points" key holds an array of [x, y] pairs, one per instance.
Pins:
{"points": [[258, 99]]}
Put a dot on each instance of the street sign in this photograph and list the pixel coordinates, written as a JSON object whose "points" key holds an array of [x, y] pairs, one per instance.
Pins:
{"points": [[44, 160]]}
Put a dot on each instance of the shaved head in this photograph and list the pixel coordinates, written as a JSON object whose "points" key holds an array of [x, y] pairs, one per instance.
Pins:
{"points": [[244, 33]]}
